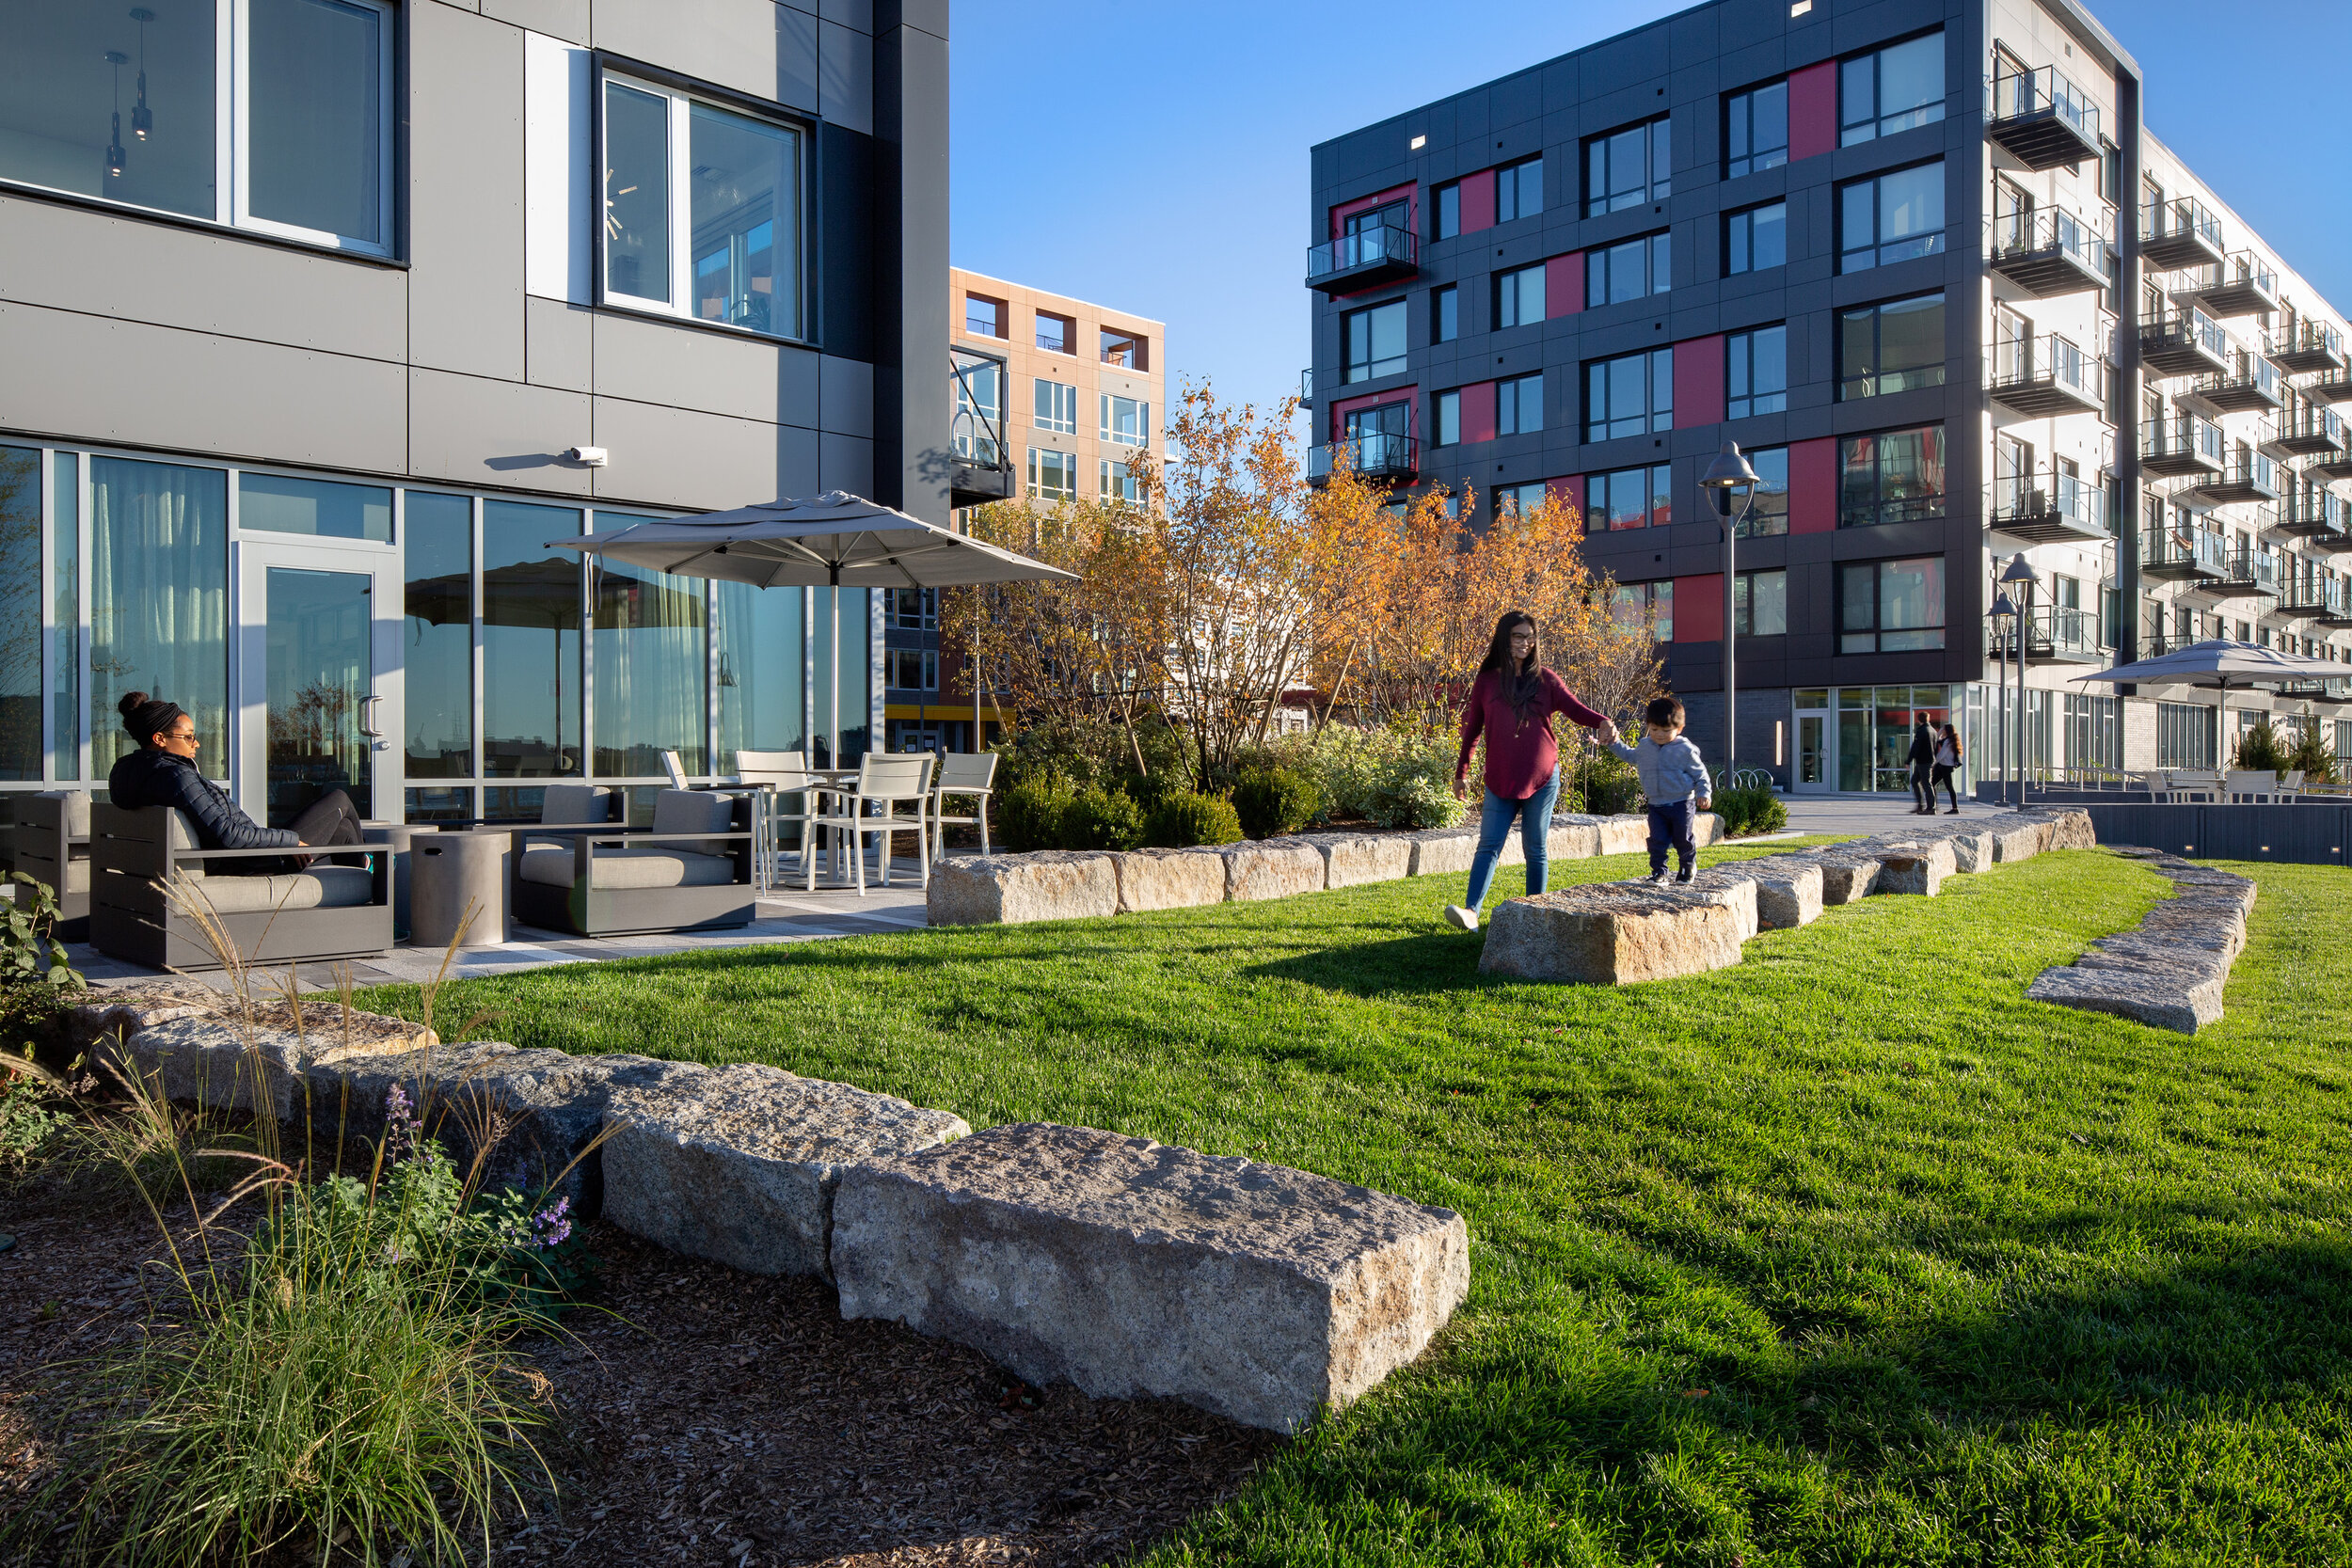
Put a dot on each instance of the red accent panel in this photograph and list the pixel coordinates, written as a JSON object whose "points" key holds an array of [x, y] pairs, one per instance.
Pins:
{"points": [[1478, 201], [1699, 382], [1699, 608], [1813, 486], [1478, 412], [1341, 213], [1812, 110], [1568, 492], [1563, 284], [1371, 399]]}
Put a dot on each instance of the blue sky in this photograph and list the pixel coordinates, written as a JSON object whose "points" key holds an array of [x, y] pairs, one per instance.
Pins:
{"points": [[1153, 157]]}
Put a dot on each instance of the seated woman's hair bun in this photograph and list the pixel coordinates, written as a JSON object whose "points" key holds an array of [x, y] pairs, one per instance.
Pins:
{"points": [[131, 702]]}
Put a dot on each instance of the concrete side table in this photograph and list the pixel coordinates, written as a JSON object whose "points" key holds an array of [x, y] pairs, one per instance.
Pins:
{"points": [[447, 872], [399, 838]]}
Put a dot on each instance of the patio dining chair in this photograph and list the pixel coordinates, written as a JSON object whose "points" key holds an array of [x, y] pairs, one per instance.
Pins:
{"points": [[2244, 784], [2193, 784], [961, 773], [783, 793], [884, 783], [674, 766], [2291, 785]]}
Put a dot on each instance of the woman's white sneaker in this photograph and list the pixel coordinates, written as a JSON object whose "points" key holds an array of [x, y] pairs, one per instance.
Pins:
{"points": [[1460, 918]]}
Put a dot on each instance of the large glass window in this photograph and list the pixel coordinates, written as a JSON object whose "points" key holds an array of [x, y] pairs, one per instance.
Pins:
{"points": [[1056, 407], [1445, 314], [1890, 218], [65, 565], [1445, 216], [1373, 342], [274, 503], [1768, 514], [530, 621], [1890, 606], [1628, 167], [1519, 404], [1631, 270], [1519, 190], [1755, 129], [20, 695], [1756, 371], [1633, 394], [1894, 347], [762, 646], [715, 233], [1520, 501], [1628, 497], [1118, 482], [159, 601], [2184, 735], [1520, 296], [1126, 422], [1446, 411], [134, 105], [853, 724], [980, 411], [1650, 604], [1052, 475], [437, 638], [1890, 89], [649, 659], [1756, 238], [1760, 603], [1895, 476]]}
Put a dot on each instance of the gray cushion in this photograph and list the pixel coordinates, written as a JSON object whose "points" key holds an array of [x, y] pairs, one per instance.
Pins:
{"points": [[614, 870], [76, 810], [566, 804], [322, 887], [693, 811]]}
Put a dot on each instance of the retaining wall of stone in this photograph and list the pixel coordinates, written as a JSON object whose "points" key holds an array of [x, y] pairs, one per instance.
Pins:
{"points": [[2171, 970]]}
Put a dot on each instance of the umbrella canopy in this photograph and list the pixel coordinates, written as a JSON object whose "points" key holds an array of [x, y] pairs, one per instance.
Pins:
{"points": [[2216, 662], [835, 540]]}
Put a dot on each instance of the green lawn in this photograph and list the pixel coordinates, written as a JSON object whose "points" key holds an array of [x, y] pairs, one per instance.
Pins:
{"points": [[1846, 1255]]}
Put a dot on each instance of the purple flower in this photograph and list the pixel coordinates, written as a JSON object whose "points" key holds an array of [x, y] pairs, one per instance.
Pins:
{"points": [[552, 1225]]}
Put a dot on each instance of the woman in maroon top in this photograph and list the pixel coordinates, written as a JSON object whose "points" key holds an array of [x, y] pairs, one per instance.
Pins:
{"points": [[1511, 704]]}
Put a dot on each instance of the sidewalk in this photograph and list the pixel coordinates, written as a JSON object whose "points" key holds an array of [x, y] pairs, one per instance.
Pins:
{"points": [[1864, 814]]}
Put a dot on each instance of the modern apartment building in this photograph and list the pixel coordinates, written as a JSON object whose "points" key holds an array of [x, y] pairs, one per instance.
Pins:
{"points": [[322, 318], [1053, 395], [1923, 261]]}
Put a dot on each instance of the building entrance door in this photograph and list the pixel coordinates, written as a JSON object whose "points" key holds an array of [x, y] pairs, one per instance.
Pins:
{"points": [[318, 689], [1816, 768]]}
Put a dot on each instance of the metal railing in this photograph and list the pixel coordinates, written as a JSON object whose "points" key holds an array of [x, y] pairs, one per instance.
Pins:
{"points": [[2188, 327], [2050, 359], [2021, 94], [2048, 496], [2313, 507], [1306, 385], [2053, 630], [2246, 266], [1377, 455], [2251, 566], [2312, 422], [2249, 373], [2198, 548], [2313, 337], [2182, 217], [2184, 435], [2048, 228], [1366, 247], [2246, 470], [2306, 588], [977, 429]]}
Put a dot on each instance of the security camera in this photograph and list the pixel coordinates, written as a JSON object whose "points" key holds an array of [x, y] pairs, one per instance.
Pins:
{"points": [[592, 457]]}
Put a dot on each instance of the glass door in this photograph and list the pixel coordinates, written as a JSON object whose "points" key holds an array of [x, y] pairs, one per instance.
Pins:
{"points": [[317, 680], [1816, 758]]}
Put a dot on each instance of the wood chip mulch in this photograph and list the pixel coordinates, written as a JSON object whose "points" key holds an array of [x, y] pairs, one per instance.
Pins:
{"points": [[722, 1417]]}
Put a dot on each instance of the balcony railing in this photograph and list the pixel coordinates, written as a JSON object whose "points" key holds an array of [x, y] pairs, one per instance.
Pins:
{"points": [[2308, 430], [2041, 118], [1360, 260], [2312, 512], [2183, 342], [1306, 385], [2182, 232], [2251, 385], [2184, 444], [2192, 554], [2250, 571], [980, 465], [2334, 464], [1378, 455], [2049, 251], [2048, 374], [2248, 475], [2049, 507], [2311, 591], [2330, 387], [2309, 346], [2054, 634], [2243, 285]]}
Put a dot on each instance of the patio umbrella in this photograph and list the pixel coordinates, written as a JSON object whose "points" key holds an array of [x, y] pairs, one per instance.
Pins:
{"points": [[2219, 664], [834, 541]]}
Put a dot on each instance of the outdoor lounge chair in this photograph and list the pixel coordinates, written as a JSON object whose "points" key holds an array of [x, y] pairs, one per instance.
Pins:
{"points": [[52, 847], [326, 911], [690, 871]]}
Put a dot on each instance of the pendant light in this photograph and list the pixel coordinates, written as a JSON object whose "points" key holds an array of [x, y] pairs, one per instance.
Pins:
{"points": [[142, 117], [115, 155]]}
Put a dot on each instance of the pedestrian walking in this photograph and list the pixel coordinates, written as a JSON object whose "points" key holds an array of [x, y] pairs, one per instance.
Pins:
{"points": [[1948, 753], [1922, 759]]}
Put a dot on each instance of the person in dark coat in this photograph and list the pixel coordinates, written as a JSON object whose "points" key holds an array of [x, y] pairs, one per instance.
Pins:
{"points": [[1922, 759], [162, 773]]}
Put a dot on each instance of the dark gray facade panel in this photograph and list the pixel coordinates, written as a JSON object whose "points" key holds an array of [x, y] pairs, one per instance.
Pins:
{"points": [[475, 430], [465, 215], [742, 376], [845, 463], [559, 343], [84, 377], [847, 166], [911, 459], [845, 397], [797, 75], [845, 76]]}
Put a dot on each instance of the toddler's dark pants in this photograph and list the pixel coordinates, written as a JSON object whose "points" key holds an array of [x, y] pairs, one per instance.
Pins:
{"points": [[1672, 825]]}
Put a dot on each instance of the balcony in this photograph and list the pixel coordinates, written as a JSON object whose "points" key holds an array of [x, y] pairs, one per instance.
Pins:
{"points": [[2243, 285], [2183, 555], [2055, 635], [980, 463], [1364, 260], [2251, 385], [2159, 643], [1380, 456], [2248, 475], [2248, 573], [2309, 346], [2047, 508], [2336, 464], [1307, 387], [2040, 119], [2184, 444], [2339, 617], [2307, 431], [2183, 342], [2311, 591], [2178, 233], [2315, 512], [2049, 252], [2046, 375], [2331, 386]]}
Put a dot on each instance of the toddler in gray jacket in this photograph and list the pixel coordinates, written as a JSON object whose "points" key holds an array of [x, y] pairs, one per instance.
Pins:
{"points": [[1673, 781]]}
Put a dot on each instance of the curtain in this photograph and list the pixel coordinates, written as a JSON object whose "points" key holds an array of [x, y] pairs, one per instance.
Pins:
{"points": [[650, 668], [159, 601]]}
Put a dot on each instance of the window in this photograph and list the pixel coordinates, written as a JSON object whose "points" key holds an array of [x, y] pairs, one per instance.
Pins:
{"points": [[275, 503], [1519, 404], [1755, 129], [1894, 347], [2184, 735], [1373, 342], [1891, 217], [1446, 212], [1520, 501], [1632, 270], [1889, 606], [910, 669], [1129, 351], [1628, 167], [1052, 475], [2094, 731], [437, 646], [1126, 422], [1756, 371], [1520, 296], [1890, 89], [1519, 190], [910, 608], [1056, 334], [1893, 477], [1768, 514], [1759, 603], [983, 317], [1651, 604], [1628, 497], [289, 131], [1446, 407], [1631, 395], [722, 244], [1119, 484], [979, 409], [1756, 238], [1445, 314], [1056, 407]]}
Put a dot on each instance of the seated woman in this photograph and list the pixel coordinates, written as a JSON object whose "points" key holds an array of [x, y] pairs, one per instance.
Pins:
{"points": [[162, 773]]}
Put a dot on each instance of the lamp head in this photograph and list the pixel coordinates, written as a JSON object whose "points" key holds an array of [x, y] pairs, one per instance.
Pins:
{"points": [[2020, 570], [1729, 468], [2001, 608]]}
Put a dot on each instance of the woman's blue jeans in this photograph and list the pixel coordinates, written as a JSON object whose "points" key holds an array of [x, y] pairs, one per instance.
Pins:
{"points": [[1494, 827]]}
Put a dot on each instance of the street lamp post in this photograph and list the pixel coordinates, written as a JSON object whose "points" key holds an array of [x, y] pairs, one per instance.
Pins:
{"points": [[2002, 615], [1730, 482], [2020, 574]]}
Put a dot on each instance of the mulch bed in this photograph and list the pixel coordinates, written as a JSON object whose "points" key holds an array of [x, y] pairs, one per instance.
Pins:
{"points": [[722, 1417]]}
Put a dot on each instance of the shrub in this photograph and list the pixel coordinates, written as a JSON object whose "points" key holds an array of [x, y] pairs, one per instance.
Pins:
{"points": [[1272, 801], [1099, 819], [2258, 749], [1184, 820], [1029, 816], [1386, 777], [1416, 790], [30, 948], [1605, 782], [32, 1115], [2313, 756], [1750, 809]]}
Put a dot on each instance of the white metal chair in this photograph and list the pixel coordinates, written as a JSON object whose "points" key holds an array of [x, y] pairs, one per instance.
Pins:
{"points": [[674, 766], [2250, 784], [784, 795], [2192, 784], [2290, 787], [887, 783], [968, 774]]}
